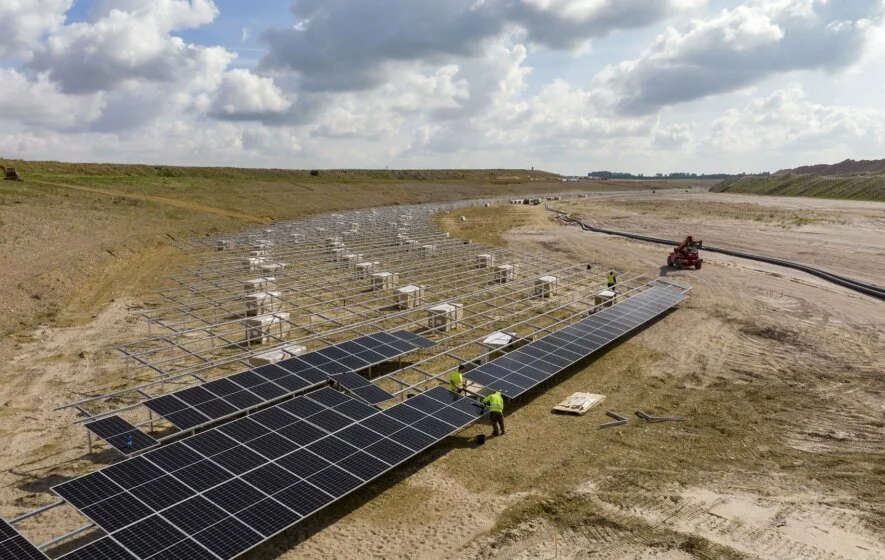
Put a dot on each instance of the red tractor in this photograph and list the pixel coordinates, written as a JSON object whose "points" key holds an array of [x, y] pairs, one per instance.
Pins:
{"points": [[687, 254]]}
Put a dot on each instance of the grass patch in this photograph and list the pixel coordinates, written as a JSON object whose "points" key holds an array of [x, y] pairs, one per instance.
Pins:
{"points": [[848, 187]]}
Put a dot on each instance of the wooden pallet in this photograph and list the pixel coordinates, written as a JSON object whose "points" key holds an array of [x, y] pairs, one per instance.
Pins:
{"points": [[579, 403]]}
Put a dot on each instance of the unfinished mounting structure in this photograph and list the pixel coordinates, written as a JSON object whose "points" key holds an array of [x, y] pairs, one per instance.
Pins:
{"points": [[313, 292]]}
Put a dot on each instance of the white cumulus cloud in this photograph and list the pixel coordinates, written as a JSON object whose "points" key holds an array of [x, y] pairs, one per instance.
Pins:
{"points": [[23, 23], [243, 95]]}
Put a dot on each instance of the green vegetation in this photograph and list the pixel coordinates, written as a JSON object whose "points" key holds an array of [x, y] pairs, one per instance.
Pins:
{"points": [[849, 187], [148, 173]]}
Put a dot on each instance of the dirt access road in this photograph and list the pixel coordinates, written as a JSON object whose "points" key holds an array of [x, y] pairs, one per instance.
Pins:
{"points": [[779, 374]]}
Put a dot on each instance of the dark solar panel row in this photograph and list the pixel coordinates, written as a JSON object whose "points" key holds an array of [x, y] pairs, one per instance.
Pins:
{"points": [[219, 493], [197, 406], [13, 546], [531, 365], [358, 385], [121, 435]]}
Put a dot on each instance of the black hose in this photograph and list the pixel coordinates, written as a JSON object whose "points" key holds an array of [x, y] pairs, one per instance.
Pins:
{"points": [[856, 285]]}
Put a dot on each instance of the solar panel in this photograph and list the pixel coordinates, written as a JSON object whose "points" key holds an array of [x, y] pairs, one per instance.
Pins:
{"points": [[194, 395], [383, 424], [194, 515], [328, 397], [527, 367], [13, 546], [221, 492], [268, 517], [203, 475], [303, 463], [87, 490], [216, 408], [453, 417], [363, 465], [247, 379], [413, 439], [301, 407], [356, 410], [335, 481], [303, 498], [239, 459], [244, 429], [187, 418], [273, 446], [149, 536], [228, 538], [434, 427], [272, 372], [105, 548], [243, 399], [162, 492], [329, 420], [372, 394], [222, 387], [331, 448], [302, 433], [413, 338], [269, 391], [425, 404], [271, 478], [405, 414], [117, 511], [121, 435], [185, 549], [274, 418], [234, 496], [362, 387], [390, 452], [197, 406], [359, 436]]}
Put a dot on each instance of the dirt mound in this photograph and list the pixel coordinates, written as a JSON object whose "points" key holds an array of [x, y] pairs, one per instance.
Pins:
{"points": [[849, 166]]}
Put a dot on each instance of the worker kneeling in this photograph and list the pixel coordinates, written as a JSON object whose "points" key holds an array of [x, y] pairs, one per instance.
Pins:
{"points": [[495, 402]]}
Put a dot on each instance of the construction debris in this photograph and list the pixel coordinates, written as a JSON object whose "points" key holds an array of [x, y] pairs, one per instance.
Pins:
{"points": [[579, 403], [655, 419], [619, 420]]}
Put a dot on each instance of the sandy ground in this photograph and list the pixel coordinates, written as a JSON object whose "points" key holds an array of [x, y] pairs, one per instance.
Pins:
{"points": [[779, 374], [842, 236]]}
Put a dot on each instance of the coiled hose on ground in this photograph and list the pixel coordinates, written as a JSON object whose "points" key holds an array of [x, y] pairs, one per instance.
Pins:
{"points": [[861, 287]]}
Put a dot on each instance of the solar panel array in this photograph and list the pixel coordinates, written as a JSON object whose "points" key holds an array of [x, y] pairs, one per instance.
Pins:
{"points": [[13, 546], [222, 492], [358, 385], [197, 406], [531, 365], [121, 435]]}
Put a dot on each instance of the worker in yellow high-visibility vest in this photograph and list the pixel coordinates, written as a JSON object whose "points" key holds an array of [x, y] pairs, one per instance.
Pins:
{"points": [[612, 279], [495, 402], [456, 383]]}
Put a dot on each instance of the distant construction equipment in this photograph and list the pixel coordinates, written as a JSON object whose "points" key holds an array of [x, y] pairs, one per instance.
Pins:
{"points": [[10, 174]]}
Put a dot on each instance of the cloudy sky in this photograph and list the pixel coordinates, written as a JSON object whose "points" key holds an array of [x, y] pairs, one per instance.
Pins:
{"points": [[563, 85]]}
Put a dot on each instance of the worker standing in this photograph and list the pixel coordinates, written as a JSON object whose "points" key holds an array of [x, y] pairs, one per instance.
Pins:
{"points": [[456, 383], [495, 402], [612, 279]]}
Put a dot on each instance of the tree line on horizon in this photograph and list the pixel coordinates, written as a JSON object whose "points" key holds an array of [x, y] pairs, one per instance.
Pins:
{"points": [[677, 175]]}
